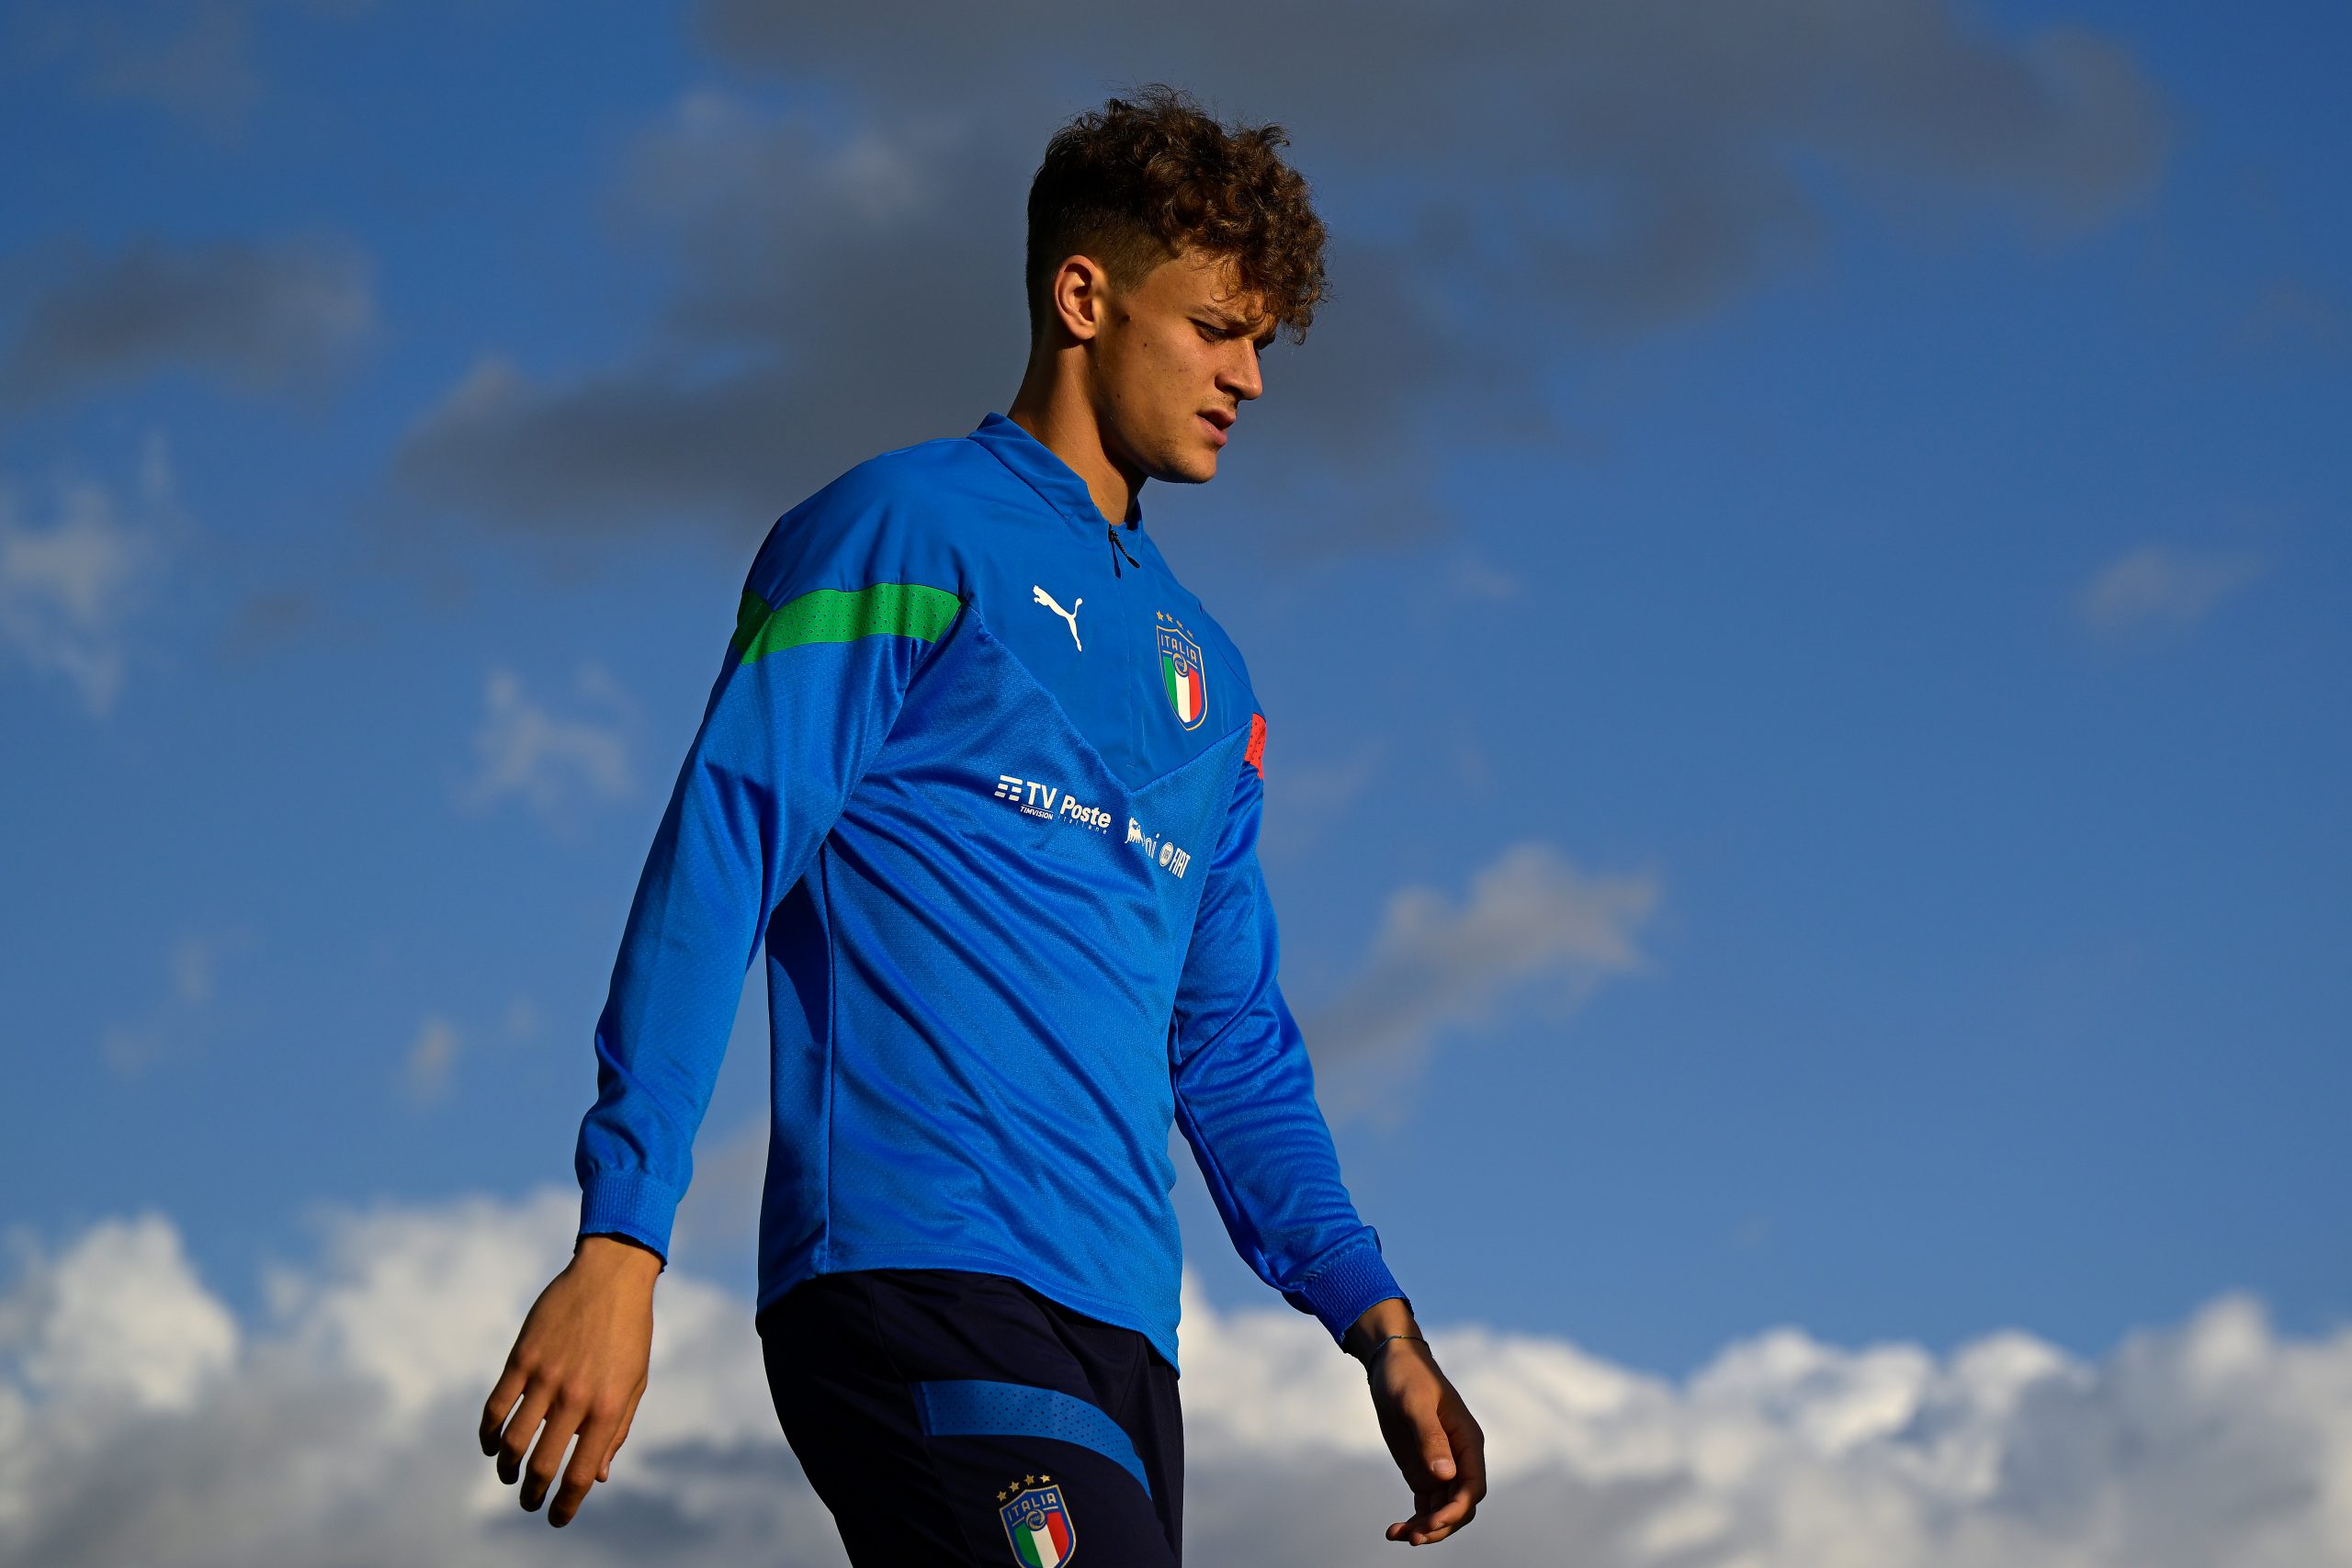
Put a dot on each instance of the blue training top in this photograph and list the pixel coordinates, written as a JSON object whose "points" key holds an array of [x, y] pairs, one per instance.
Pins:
{"points": [[984, 779]]}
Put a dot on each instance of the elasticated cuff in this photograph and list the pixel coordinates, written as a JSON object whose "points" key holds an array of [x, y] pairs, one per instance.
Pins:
{"points": [[1340, 1292], [629, 1203]]}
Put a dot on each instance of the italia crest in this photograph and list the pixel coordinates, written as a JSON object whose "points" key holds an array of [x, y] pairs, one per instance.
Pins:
{"points": [[1182, 673], [1037, 1524]]}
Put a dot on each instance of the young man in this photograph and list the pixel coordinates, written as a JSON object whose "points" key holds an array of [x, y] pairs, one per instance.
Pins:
{"points": [[984, 782]]}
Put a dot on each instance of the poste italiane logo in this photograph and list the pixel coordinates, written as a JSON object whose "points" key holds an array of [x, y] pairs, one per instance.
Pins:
{"points": [[1181, 672]]}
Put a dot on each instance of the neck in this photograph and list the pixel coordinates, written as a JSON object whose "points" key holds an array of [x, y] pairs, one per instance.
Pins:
{"points": [[1054, 406]]}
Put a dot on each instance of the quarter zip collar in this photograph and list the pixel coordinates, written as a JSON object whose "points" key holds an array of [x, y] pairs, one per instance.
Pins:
{"points": [[1043, 471]]}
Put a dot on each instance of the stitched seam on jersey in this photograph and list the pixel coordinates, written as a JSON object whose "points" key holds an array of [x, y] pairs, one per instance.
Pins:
{"points": [[824, 1249], [973, 614], [1238, 1014], [1079, 735], [835, 615], [1059, 509], [823, 1254], [1225, 739], [1232, 780], [1205, 1150], [1202, 1145]]}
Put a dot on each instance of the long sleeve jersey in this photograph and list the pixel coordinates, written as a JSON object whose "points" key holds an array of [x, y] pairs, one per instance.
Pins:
{"points": [[983, 782]]}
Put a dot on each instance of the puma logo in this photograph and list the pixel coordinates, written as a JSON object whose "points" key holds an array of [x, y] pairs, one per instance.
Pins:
{"points": [[1070, 615]]}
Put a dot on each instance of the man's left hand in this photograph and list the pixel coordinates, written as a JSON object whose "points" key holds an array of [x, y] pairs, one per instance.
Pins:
{"points": [[1436, 1442]]}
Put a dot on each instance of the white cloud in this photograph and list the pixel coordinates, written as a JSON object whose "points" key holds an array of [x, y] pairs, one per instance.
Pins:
{"points": [[1530, 920], [140, 1422], [2161, 588], [522, 747], [72, 587], [120, 1315], [342, 1429]]}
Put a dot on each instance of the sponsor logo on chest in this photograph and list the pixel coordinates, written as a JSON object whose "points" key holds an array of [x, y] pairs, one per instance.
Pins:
{"points": [[1050, 804], [1156, 848]]}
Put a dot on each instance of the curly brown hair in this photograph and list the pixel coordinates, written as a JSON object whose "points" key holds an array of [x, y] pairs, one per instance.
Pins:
{"points": [[1137, 182]]}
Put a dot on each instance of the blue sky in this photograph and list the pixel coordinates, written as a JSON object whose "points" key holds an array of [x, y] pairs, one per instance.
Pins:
{"points": [[1808, 736]]}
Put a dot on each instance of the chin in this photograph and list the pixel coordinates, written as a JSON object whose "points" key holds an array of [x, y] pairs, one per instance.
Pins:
{"points": [[1188, 468]]}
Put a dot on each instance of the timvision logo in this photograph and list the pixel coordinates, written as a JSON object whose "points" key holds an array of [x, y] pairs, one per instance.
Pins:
{"points": [[1048, 804]]}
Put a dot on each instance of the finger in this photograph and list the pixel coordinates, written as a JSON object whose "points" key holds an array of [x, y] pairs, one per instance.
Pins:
{"points": [[1420, 1531], [500, 1405], [1449, 1505], [580, 1474], [628, 1416], [1455, 1511], [1414, 1528], [1470, 1453], [1469, 1444], [1439, 1511], [517, 1440], [1437, 1450], [547, 1458]]}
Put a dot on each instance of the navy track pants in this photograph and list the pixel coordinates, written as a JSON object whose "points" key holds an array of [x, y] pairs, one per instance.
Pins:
{"points": [[946, 1416]]}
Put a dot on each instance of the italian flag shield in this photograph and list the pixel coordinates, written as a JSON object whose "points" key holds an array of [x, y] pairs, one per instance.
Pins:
{"points": [[1038, 1526], [1179, 672]]}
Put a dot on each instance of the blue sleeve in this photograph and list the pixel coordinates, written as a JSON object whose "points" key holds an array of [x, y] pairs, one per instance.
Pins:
{"points": [[828, 636], [1245, 1094]]}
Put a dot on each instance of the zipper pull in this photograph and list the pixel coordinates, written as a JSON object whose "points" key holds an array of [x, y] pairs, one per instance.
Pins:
{"points": [[1119, 546]]}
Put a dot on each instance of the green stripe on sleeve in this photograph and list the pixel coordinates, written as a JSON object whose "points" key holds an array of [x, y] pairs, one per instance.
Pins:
{"points": [[833, 615]]}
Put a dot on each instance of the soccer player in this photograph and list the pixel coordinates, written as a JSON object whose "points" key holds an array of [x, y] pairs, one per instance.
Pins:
{"points": [[982, 780]]}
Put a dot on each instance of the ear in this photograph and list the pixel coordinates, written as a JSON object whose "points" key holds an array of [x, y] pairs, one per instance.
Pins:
{"points": [[1080, 290]]}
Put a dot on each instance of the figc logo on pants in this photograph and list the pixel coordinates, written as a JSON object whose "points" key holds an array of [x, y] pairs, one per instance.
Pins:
{"points": [[1038, 1525], [1180, 673]]}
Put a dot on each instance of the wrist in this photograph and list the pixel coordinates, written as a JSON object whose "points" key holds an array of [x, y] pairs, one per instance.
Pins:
{"points": [[1380, 1320], [623, 1255]]}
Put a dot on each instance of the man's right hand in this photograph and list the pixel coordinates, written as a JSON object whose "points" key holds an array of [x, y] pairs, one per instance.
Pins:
{"points": [[578, 1365]]}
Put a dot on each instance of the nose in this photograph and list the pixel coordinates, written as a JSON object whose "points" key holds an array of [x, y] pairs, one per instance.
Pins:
{"points": [[1242, 377]]}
